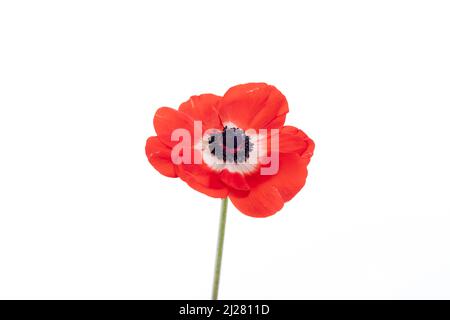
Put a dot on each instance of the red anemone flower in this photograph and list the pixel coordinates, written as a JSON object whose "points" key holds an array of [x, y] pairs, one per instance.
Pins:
{"points": [[231, 150]]}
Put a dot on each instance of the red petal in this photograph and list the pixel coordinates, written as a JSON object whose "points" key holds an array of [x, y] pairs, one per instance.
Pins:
{"points": [[295, 140], [292, 140], [309, 151], [253, 106], [234, 180], [203, 108], [214, 193], [291, 176], [260, 202], [158, 155], [200, 178], [166, 120], [268, 193]]}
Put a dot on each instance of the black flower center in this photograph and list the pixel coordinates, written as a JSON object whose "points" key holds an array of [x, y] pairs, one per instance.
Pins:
{"points": [[230, 145]]}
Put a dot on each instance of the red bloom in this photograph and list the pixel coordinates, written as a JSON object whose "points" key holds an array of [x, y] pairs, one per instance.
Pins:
{"points": [[233, 156]]}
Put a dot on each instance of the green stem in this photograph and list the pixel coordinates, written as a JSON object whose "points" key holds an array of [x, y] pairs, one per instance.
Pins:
{"points": [[223, 220]]}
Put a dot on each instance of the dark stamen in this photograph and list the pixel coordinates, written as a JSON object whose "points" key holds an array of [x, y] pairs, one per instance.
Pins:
{"points": [[230, 145]]}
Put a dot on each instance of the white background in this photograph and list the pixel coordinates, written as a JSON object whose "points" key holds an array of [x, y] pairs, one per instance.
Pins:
{"points": [[83, 214]]}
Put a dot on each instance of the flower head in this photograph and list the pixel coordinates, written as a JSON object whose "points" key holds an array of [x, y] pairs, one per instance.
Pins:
{"points": [[234, 146]]}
